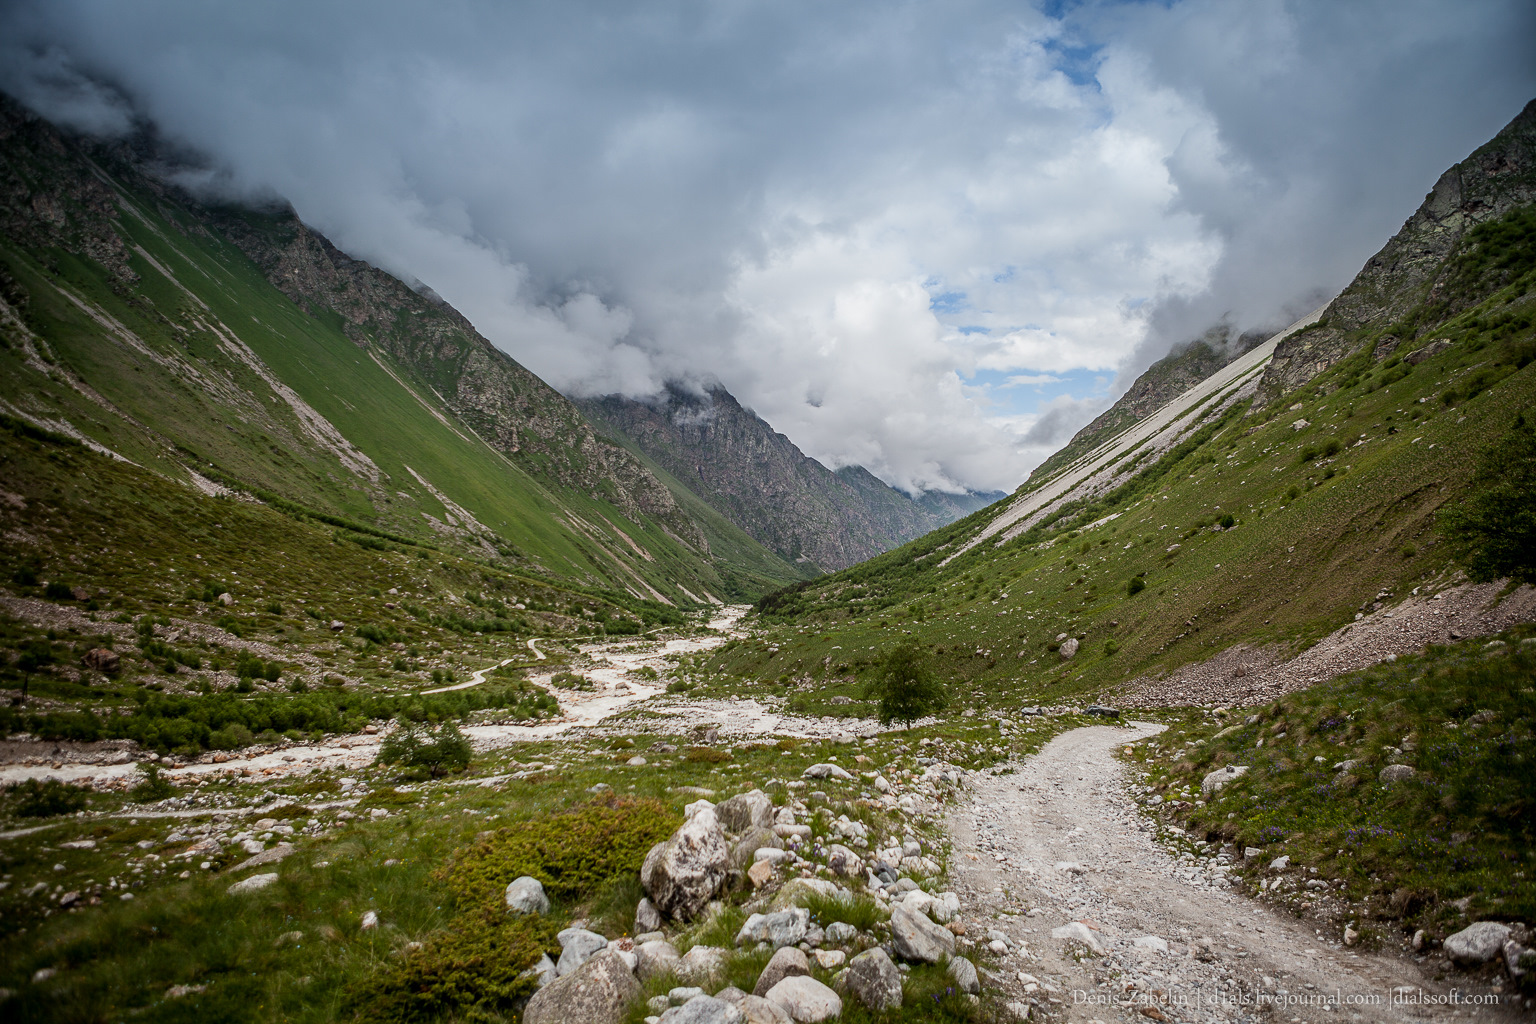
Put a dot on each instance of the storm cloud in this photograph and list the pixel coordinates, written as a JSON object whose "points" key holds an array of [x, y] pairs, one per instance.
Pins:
{"points": [[868, 221]]}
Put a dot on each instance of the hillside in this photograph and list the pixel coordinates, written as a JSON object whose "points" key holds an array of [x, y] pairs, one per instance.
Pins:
{"points": [[759, 480], [237, 351], [1225, 534], [1171, 376]]}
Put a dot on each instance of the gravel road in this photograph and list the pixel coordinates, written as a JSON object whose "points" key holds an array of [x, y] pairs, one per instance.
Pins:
{"points": [[1060, 841]]}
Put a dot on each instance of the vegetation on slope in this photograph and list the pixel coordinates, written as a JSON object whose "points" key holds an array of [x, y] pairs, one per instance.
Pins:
{"points": [[1264, 526], [1452, 840]]}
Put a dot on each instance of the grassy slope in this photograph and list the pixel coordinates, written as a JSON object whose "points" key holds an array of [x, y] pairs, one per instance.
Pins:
{"points": [[1360, 521], [1462, 829], [258, 442]]}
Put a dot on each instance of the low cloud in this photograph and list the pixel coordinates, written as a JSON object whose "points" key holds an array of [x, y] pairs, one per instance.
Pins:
{"points": [[840, 212]]}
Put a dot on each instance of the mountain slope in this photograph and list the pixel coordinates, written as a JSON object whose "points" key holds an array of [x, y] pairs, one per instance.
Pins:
{"points": [[1216, 537], [1162, 382], [1403, 292], [133, 322], [758, 479]]}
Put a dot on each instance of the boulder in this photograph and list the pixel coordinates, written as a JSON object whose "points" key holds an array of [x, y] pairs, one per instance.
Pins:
{"points": [[829, 959], [1068, 648], [806, 1000], [744, 850], [544, 971], [253, 883], [701, 963], [99, 659], [1078, 932], [577, 946], [843, 861], [1477, 943], [914, 937], [760, 874], [873, 980], [788, 962], [1518, 960], [757, 1010], [1396, 773], [702, 1009], [780, 928], [525, 895], [826, 771], [647, 917], [656, 958], [964, 973], [797, 890], [1213, 782], [744, 812], [840, 933], [597, 992], [682, 874]]}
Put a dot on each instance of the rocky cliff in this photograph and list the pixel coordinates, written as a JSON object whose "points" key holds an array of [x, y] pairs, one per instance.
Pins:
{"points": [[763, 483], [1496, 179]]}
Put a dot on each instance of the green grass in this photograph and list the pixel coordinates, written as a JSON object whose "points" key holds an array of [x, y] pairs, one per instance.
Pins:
{"points": [[1465, 826]]}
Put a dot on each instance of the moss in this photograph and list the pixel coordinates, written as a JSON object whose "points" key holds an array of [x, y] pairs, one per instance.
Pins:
{"points": [[573, 853]]}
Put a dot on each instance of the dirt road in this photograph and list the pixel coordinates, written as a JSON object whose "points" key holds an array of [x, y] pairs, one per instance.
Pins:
{"points": [[1061, 841]]}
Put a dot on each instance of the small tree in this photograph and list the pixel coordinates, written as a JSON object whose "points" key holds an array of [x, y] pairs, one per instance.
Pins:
{"points": [[906, 687], [1493, 529], [426, 752]]}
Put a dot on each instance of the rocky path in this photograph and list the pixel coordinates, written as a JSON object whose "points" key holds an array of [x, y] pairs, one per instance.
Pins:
{"points": [[1059, 844]]}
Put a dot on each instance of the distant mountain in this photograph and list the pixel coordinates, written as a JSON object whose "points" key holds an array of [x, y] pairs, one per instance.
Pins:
{"points": [[759, 480], [237, 350]]}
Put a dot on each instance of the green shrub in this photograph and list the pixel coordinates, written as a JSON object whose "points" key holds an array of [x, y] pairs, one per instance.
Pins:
{"points": [[574, 853], [426, 752], [473, 972], [1494, 529], [906, 688], [231, 737], [58, 592], [151, 787], [32, 798], [861, 911], [1227, 521], [1135, 586]]}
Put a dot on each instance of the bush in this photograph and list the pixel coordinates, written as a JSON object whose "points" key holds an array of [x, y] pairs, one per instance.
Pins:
{"points": [[45, 799], [151, 787], [426, 752], [1227, 521], [1494, 529], [473, 972], [1135, 586], [573, 854], [58, 592], [906, 688]]}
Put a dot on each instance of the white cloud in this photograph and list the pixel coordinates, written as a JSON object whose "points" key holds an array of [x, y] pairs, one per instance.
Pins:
{"points": [[840, 211]]}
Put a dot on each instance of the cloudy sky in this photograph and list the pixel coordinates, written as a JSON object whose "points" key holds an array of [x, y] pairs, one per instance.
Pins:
{"points": [[930, 238]]}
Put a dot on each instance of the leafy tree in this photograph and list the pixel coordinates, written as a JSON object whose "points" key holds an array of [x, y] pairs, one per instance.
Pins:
{"points": [[906, 686], [1493, 529], [424, 751], [36, 655]]}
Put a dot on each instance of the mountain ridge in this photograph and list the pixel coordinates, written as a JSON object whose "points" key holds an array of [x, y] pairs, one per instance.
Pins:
{"points": [[760, 480]]}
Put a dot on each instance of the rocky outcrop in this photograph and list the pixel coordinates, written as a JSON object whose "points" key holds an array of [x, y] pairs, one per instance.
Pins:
{"points": [[916, 938], [1410, 270]]}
